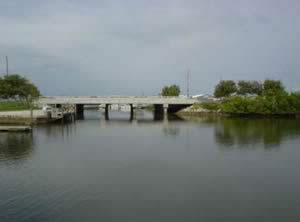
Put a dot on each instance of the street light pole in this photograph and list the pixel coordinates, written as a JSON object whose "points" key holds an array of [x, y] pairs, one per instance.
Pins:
{"points": [[6, 65], [188, 84]]}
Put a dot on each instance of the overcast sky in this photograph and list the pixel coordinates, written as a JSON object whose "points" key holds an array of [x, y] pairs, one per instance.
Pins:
{"points": [[95, 47]]}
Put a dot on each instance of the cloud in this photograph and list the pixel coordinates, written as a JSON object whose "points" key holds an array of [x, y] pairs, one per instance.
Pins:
{"points": [[133, 48]]}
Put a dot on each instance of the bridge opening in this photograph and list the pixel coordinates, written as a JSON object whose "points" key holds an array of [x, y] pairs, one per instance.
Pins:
{"points": [[106, 109], [160, 111]]}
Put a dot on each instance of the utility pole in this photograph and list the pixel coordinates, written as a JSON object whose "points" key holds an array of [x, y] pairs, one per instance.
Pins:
{"points": [[6, 65], [188, 84], [30, 100]]}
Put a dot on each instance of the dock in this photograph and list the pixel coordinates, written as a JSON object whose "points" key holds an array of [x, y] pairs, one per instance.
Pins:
{"points": [[15, 129]]}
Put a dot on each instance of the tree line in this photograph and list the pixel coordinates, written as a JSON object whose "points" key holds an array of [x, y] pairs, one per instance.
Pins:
{"points": [[253, 97], [227, 88]]}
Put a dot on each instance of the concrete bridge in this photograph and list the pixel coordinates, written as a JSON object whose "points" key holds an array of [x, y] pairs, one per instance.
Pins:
{"points": [[162, 105]]}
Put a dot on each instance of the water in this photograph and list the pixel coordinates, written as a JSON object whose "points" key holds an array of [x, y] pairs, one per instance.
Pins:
{"points": [[178, 170]]}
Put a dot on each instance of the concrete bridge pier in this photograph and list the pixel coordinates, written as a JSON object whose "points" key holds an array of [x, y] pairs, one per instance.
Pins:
{"points": [[161, 111], [106, 112], [166, 108], [79, 110], [132, 112], [158, 112]]}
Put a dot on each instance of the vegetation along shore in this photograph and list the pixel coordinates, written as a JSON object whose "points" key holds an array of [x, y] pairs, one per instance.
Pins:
{"points": [[249, 98]]}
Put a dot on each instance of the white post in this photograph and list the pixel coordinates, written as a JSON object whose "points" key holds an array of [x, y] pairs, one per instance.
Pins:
{"points": [[165, 107], [31, 108]]}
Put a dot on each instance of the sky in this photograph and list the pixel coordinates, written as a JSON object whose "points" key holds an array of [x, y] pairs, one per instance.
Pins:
{"points": [[135, 47]]}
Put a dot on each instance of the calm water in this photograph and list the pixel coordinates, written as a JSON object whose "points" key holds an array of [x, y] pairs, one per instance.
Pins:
{"points": [[192, 170]]}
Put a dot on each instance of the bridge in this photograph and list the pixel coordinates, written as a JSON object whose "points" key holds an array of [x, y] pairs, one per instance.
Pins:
{"points": [[162, 104]]}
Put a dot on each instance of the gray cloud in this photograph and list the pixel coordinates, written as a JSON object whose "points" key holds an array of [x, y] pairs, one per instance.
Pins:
{"points": [[135, 47]]}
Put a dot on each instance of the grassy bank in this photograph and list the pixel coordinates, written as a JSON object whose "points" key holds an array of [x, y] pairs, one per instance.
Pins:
{"points": [[13, 106]]}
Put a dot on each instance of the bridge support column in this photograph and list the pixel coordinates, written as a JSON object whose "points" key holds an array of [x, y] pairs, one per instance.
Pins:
{"points": [[106, 112], [79, 110], [166, 107], [158, 112], [132, 112]]}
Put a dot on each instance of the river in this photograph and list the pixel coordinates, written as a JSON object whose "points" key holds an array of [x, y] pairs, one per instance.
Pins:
{"points": [[199, 169]]}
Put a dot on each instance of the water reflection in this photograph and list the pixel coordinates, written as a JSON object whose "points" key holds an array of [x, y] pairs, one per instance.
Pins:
{"points": [[244, 132], [57, 130], [170, 130], [270, 132], [16, 146], [94, 121], [129, 171]]}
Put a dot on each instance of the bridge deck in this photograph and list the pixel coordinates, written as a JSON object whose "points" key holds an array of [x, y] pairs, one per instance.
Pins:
{"points": [[90, 100]]}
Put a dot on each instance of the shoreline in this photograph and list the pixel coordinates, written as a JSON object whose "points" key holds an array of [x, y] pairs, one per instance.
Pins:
{"points": [[241, 115], [22, 117], [15, 128]]}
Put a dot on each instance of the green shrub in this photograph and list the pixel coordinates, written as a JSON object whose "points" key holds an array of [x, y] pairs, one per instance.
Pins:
{"points": [[211, 106], [281, 103], [239, 105]]}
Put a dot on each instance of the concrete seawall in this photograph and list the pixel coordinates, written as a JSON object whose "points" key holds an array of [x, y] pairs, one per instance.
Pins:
{"points": [[15, 129], [22, 117]]}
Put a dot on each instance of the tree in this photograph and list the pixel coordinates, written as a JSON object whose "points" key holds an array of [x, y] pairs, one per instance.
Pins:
{"points": [[249, 87], [294, 101], [173, 90], [2, 88], [225, 88], [17, 87], [273, 87]]}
